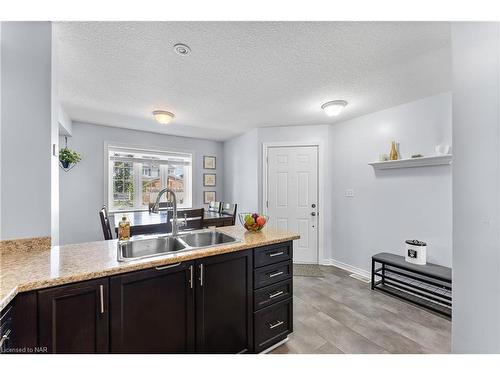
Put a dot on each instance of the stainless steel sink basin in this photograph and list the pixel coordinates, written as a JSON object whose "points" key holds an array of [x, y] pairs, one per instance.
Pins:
{"points": [[153, 246], [205, 239], [148, 247]]}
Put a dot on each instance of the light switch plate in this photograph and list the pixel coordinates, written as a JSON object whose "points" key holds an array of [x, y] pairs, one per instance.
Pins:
{"points": [[349, 193]]}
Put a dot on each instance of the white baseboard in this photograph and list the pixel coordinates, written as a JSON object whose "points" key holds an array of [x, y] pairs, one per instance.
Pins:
{"points": [[347, 267]]}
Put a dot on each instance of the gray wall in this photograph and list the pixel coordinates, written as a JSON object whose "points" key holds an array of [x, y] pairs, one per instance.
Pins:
{"points": [[476, 250], [391, 206], [26, 129], [241, 166], [388, 207], [82, 191]]}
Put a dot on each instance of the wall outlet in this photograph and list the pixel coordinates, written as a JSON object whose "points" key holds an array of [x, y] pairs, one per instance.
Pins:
{"points": [[349, 193]]}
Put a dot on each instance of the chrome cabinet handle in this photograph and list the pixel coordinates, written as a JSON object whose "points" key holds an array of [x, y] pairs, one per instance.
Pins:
{"points": [[276, 294], [101, 295], [277, 324], [276, 254], [276, 274], [168, 266], [191, 276], [201, 274], [4, 338]]}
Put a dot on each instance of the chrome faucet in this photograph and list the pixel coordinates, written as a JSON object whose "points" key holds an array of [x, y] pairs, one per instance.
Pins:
{"points": [[156, 208]]}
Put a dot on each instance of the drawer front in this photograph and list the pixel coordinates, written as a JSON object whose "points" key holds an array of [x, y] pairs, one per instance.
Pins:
{"points": [[273, 324], [271, 294], [272, 254], [271, 274]]}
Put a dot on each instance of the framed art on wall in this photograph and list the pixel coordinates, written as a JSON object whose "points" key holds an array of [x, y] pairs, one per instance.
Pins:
{"points": [[208, 196], [209, 162], [209, 179]]}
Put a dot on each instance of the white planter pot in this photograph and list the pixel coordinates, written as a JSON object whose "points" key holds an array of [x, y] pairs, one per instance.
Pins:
{"points": [[415, 253]]}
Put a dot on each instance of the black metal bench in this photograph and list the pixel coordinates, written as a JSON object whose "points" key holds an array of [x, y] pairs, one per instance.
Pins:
{"points": [[426, 285]]}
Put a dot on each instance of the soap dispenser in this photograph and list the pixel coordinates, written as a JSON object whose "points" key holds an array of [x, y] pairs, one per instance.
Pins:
{"points": [[124, 229]]}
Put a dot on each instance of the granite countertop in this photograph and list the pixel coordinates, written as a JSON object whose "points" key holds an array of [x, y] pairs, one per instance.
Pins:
{"points": [[22, 271]]}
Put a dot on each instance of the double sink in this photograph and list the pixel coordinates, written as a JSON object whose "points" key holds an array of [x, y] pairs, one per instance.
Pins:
{"points": [[154, 246]]}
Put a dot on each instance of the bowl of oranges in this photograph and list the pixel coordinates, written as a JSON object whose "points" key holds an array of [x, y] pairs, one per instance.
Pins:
{"points": [[253, 222]]}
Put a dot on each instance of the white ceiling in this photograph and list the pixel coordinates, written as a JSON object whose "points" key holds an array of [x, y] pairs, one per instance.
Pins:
{"points": [[242, 75]]}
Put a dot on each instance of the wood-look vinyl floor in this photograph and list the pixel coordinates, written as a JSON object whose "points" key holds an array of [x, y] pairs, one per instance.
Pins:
{"points": [[339, 314]]}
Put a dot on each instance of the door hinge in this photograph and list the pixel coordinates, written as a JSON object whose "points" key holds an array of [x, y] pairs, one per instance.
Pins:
{"points": [[267, 204]]}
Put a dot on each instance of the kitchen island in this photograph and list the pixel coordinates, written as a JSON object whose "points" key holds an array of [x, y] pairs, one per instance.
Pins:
{"points": [[80, 299]]}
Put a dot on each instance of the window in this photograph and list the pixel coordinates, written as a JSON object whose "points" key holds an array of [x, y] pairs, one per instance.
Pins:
{"points": [[135, 176]]}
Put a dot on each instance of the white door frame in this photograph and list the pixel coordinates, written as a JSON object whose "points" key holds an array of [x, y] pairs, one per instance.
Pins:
{"points": [[321, 184]]}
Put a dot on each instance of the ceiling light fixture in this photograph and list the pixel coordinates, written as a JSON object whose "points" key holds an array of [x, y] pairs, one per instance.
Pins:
{"points": [[334, 107], [163, 117], [182, 49]]}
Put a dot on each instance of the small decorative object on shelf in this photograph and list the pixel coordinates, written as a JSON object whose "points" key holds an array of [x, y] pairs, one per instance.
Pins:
{"points": [[394, 155], [416, 252], [253, 222], [442, 149], [68, 158], [414, 156], [383, 157]]}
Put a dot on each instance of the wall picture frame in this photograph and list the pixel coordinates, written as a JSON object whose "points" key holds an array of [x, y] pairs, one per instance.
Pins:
{"points": [[209, 196], [209, 162], [209, 179]]}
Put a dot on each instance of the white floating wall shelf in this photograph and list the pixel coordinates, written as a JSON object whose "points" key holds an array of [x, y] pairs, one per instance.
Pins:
{"points": [[423, 161]]}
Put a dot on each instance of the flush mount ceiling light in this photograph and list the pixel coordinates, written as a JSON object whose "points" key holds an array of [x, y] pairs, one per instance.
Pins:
{"points": [[182, 49], [334, 107], [163, 117]]}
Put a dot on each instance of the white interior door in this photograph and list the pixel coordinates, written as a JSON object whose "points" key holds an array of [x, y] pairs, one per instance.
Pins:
{"points": [[292, 196]]}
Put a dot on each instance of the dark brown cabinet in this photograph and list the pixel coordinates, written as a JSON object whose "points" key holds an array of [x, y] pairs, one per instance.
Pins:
{"points": [[152, 311], [74, 318], [273, 295], [237, 302], [224, 303]]}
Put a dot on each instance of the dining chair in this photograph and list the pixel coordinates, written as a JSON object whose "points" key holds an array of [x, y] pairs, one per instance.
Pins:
{"points": [[229, 209], [193, 218], [214, 206], [106, 226]]}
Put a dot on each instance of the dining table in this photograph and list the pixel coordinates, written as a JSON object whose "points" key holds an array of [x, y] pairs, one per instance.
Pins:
{"points": [[145, 222]]}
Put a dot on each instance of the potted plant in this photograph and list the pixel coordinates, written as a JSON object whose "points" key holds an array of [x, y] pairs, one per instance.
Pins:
{"points": [[68, 157]]}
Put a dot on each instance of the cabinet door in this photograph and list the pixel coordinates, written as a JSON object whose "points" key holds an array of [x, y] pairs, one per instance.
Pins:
{"points": [[152, 311], [224, 303], [74, 318]]}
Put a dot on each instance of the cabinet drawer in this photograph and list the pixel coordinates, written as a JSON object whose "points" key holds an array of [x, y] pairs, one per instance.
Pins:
{"points": [[272, 254], [273, 324], [272, 274], [271, 294]]}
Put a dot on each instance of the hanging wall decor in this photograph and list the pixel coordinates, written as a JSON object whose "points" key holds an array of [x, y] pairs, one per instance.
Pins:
{"points": [[68, 158]]}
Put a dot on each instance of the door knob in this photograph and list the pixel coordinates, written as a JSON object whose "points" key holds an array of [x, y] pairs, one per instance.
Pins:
{"points": [[313, 213], [313, 205]]}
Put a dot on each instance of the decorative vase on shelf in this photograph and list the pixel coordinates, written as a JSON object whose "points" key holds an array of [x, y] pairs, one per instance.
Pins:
{"points": [[394, 151]]}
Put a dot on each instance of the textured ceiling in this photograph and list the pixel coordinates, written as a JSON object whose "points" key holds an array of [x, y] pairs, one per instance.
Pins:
{"points": [[242, 75]]}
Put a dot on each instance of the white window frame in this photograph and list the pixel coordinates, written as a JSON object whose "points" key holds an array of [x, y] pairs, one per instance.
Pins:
{"points": [[108, 175]]}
